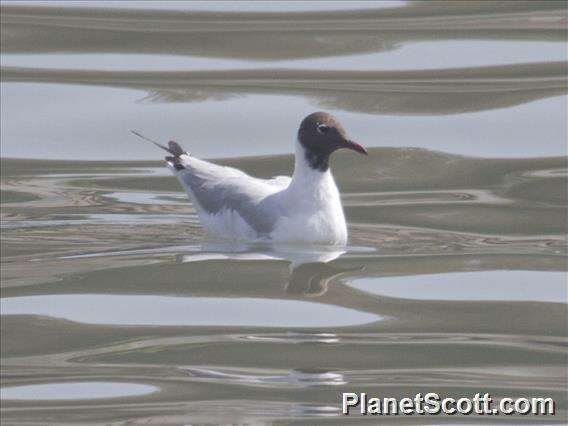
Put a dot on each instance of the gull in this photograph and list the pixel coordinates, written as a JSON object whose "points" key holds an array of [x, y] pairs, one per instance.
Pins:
{"points": [[304, 208]]}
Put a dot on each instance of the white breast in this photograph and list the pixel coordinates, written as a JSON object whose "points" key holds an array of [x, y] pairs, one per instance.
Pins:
{"points": [[312, 210]]}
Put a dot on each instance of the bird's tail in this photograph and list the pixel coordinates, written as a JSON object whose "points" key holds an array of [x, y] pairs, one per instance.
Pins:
{"points": [[173, 148]]}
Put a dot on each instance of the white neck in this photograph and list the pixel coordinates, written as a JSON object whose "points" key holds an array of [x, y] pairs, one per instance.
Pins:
{"points": [[305, 177]]}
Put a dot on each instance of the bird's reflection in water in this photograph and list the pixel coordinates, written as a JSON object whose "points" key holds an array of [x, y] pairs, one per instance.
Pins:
{"points": [[312, 279], [310, 268]]}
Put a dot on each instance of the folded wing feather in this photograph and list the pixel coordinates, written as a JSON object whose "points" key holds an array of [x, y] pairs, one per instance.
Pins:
{"points": [[216, 189]]}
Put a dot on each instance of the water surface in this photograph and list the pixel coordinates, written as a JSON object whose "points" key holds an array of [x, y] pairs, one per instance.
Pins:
{"points": [[116, 307], [75, 390]]}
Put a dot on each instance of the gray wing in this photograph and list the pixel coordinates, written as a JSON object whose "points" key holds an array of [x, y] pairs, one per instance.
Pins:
{"points": [[216, 188]]}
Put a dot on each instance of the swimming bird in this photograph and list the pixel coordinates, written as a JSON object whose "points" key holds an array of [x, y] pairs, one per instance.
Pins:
{"points": [[304, 208]]}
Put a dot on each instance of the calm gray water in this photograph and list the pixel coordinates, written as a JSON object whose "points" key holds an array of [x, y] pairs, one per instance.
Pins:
{"points": [[117, 308]]}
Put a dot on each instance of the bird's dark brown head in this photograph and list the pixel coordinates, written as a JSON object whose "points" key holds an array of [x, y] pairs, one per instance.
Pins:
{"points": [[321, 134]]}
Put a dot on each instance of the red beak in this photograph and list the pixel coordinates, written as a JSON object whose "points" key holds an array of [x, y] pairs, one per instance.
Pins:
{"points": [[355, 147]]}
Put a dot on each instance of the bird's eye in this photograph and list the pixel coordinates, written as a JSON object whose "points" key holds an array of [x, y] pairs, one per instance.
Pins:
{"points": [[322, 128]]}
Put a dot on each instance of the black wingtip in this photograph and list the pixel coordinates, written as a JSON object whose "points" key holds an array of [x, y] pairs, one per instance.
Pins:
{"points": [[175, 161], [175, 148]]}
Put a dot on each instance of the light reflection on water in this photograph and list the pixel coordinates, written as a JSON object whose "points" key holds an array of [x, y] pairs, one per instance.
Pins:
{"points": [[195, 126], [206, 311], [220, 5], [454, 277], [75, 390], [410, 56], [102, 218], [514, 286]]}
